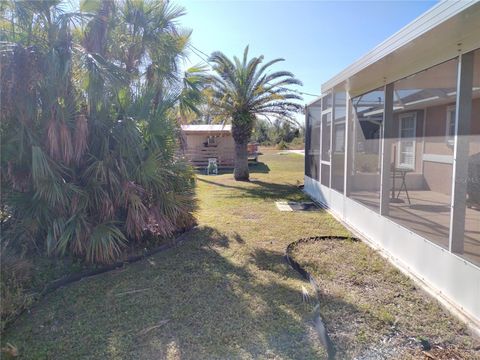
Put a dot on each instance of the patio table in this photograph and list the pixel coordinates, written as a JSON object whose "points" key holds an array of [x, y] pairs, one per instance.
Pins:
{"points": [[402, 174]]}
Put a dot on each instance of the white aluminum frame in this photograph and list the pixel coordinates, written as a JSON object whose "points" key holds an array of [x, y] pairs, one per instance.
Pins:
{"points": [[453, 278], [328, 111], [463, 116], [329, 161]]}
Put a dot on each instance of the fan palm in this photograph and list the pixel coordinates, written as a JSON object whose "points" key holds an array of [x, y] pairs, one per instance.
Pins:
{"points": [[243, 90], [89, 143]]}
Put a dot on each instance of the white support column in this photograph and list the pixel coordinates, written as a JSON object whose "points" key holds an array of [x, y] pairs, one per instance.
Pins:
{"points": [[387, 138], [348, 147], [320, 150], [330, 151], [463, 116], [307, 142]]}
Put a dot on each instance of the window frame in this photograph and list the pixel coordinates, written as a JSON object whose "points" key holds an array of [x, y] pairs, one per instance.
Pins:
{"points": [[401, 118], [326, 113], [449, 138]]}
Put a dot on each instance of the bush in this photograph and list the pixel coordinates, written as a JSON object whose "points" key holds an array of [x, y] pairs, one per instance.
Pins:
{"points": [[89, 159], [282, 145], [271, 134], [297, 143]]}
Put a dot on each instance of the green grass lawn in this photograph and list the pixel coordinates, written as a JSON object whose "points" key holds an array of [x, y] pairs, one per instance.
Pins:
{"points": [[224, 292]]}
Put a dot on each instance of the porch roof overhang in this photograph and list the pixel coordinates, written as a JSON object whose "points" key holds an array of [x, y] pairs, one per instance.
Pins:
{"points": [[446, 30]]}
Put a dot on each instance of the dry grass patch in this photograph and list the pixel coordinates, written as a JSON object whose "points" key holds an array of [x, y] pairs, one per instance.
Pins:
{"points": [[372, 310]]}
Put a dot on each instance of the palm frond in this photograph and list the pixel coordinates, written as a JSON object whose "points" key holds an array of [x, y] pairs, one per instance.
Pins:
{"points": [[105, 243], [242, 87]]}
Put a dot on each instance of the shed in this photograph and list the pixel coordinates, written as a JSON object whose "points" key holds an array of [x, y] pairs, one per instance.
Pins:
{"points": [[201, 142]]}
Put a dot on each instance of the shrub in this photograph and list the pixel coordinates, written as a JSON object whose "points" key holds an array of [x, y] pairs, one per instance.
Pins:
{"points": [[282, 145], [297, 143], [88, 133]]}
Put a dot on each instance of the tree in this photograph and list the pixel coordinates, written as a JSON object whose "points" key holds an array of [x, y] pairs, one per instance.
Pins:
{"points": [[261, 132], [243, 91], [281, 130], [89, 106]]}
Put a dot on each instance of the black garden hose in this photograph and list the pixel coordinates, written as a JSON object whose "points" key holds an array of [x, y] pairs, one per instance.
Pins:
{"points": [[317, 320]]}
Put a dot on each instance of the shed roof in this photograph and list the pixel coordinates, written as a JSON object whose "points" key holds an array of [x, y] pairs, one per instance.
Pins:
{"points": [[208, 128]]}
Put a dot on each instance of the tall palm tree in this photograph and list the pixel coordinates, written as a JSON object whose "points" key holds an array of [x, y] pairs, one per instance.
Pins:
{"points": [[243, 91]]}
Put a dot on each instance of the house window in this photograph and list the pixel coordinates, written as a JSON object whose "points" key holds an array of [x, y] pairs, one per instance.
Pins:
{"points": [[450, 135], [211, 140], [408, 126]]}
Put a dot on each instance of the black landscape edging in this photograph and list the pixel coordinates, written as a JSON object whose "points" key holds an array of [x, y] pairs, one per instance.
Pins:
{"points": [[325, 339], [69, 279], [116, 265]]}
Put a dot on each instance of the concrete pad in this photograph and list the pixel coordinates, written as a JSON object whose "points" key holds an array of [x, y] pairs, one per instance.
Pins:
{"points": [[296, 206]]}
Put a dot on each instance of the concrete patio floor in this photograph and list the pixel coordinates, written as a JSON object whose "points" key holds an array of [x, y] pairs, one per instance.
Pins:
{"points": [[429, 216]]}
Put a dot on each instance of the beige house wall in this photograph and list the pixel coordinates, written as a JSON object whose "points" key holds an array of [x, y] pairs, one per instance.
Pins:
{"points": [[438, 176]]}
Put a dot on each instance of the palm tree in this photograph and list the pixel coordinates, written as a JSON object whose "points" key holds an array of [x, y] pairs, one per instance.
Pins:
{"points": [[243, 91], [88, 125]]}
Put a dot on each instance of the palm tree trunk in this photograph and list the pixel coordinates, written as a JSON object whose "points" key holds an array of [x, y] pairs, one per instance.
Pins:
{"points": [[240, 173], [242, 125]]}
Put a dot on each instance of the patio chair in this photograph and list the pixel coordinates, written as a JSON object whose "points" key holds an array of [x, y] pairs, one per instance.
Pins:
{"points": [[212, 167]]}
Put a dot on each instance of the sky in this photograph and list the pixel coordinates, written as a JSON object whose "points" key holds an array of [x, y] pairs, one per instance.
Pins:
{"points": [[317, 39]]}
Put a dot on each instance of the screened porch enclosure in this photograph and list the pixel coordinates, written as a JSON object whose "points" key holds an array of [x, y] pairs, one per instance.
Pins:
{"points": [[409, 150]]}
